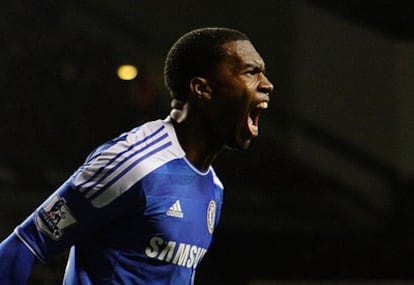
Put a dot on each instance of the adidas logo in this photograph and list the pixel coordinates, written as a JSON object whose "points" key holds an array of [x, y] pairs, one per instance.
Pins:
{"points": [[175, 210]]}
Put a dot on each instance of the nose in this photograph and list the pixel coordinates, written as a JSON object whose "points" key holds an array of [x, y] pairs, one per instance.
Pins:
{"points": [[266, 86]]}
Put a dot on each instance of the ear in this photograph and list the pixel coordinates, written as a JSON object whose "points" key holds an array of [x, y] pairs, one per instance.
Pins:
{"points": [[200, 88]]}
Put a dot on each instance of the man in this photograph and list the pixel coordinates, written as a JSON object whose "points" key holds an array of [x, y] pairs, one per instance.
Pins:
{"points": [[143, 207]]}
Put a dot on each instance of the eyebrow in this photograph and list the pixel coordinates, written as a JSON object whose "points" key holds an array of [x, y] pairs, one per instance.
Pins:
{"points": [[260, 65]]}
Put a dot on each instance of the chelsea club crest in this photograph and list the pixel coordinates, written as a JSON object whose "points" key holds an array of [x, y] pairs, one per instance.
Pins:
{"points": [[211, 216]]}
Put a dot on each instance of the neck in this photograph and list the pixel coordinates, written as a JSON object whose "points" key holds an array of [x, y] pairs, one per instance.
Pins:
{"points": [[200, 148]]}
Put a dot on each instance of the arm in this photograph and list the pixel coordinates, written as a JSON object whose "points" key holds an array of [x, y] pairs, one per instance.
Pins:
{"points": [[16, 261], [62, 220]]}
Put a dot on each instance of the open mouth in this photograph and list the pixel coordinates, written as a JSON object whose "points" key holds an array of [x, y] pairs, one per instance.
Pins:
{"points": [[253, 118]]}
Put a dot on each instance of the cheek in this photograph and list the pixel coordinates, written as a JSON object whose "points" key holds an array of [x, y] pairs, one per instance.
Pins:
{"points": [[230, 100], [233, 97]]}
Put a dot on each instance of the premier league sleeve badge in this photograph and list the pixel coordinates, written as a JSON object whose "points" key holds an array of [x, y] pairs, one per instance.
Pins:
{"points": [[54, 217]]}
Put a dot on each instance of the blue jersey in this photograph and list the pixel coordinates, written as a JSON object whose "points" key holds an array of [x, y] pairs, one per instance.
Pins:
{"points": [[136, 212]]}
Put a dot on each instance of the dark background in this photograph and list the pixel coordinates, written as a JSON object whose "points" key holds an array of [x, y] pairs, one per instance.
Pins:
{"points": [[323, 195]]}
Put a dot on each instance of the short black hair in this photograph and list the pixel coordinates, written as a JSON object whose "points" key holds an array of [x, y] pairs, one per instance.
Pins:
{"points": [[196, 53]]}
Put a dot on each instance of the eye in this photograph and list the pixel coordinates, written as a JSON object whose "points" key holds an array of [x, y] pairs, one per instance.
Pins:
{"points": [[253, 71]]}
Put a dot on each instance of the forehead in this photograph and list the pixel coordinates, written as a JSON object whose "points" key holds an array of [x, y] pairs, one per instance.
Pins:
{"points": [[242, 51]]}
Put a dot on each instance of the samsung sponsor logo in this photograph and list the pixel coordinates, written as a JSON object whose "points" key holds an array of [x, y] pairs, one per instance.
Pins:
{"points": [[181, 254]]}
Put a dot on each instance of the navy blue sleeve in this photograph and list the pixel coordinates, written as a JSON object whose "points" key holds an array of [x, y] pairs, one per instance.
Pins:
{"points": [[16, 261]]}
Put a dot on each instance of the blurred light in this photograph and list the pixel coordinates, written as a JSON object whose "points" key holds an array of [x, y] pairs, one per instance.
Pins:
{"points": [[127, 72]]}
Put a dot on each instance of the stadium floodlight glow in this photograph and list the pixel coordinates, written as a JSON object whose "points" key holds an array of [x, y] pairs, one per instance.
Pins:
{"points": [[127, 72]]}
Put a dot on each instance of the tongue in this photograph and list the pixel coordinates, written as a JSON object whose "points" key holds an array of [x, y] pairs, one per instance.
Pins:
{"points": [[254, 129]]}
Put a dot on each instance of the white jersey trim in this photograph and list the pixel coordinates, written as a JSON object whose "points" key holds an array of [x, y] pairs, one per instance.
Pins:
{"points": [[128, 160], [28, 246]]}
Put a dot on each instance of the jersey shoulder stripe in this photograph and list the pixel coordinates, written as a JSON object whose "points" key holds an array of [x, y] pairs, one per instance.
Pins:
{"points": [[110, 165], [117, 165]]}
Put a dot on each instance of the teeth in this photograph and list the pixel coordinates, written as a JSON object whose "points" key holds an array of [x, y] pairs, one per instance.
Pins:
{"points": [[262, 105]]}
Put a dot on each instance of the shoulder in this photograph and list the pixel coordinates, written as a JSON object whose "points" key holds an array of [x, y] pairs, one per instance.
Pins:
{"points": [[216, 179], [117, 165]]}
